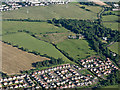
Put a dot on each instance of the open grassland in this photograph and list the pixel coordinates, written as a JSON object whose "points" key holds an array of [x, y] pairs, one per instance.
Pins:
{"points": [[114, 47], [14, 60], [94, 9], [76, 48], [31, 43], [112, 25], [52, 11], [35, 27], [109, 18]]}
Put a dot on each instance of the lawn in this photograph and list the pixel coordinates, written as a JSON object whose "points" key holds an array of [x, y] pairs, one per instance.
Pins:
{"points": [[114, 47], [31, 43], [52, 11], [112, 25], [78, 49], [35, 27]]}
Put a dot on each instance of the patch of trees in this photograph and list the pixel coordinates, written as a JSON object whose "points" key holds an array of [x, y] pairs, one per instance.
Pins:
{"points": [[108, 13], [48, 63], [93, 32], [3, 75]]}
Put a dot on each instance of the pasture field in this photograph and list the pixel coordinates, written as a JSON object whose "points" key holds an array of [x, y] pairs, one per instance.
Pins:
{"points": [[109, 18], [35, 27], [52, 11], [78, 49], [31, 43], [112, 25], [14, 60], [114, 47], [94, 9]]}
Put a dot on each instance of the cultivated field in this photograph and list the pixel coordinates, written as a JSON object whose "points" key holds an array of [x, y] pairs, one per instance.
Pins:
{"points": [[76, 48], [35, 27], [52, 11], [14, 60], [31, 43], [115, 47]]}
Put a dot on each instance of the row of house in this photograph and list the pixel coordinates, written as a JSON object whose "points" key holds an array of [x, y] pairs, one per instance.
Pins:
{"points": [[14, 5], [99, 67], [14, 82], [63, 76], [116, 7]]}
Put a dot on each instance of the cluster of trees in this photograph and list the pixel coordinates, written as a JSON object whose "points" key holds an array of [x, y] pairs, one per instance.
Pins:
{"points": [[48, 63], [93, 32], [108, 13], [3, 75]]}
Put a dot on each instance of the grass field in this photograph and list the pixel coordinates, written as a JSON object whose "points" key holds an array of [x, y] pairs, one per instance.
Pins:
{"points": [[14, 60], [31, 43], [113, 26], [94, 9], [76, 48], [109, 18], [35, 27], [114, 47], [52, 11]]}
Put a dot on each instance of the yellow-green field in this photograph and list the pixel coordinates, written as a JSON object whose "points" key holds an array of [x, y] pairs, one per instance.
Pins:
{"points": [[70, 10]]}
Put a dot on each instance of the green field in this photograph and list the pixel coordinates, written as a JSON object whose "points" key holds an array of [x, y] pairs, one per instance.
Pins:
{"points": [[31, 43], [109, 18], [53, 11], [114, 47], [35, 27], [113, 26], [76, 48]]}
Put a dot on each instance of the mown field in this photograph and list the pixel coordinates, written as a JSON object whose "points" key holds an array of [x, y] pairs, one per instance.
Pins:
{"points": [[78, 49], [114, 47], [35, 27], [14, 60], [109, 18], [31, 43], [53, 11]]}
